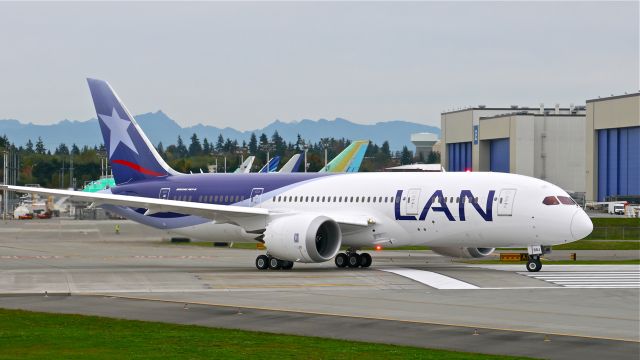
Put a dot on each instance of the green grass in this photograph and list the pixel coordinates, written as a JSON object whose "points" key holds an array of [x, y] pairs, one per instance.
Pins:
{"points": [[560, 262], [599, 245], [32, 335], [621, 221]]}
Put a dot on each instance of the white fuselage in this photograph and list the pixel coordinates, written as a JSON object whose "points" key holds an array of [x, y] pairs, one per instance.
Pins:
{"points": [[514, 216]]}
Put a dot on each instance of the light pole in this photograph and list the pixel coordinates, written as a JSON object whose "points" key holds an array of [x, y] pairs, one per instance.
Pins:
{"points": [[5, 193], [325, 144]]}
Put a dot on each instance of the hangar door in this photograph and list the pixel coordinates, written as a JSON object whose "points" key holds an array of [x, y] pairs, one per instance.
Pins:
{"points": [[618, 162], [459, 156], [499, 157]]}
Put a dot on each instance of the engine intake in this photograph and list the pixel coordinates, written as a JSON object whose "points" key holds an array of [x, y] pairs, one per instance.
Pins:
{"points": [[463, 252], [303, 238]]}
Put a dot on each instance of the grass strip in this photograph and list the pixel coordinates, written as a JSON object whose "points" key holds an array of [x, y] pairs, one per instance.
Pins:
{"points": [[34, 335]]}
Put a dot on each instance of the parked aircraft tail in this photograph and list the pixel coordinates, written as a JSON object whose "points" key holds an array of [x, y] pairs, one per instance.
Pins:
{"points": [[272, 165], [245, 167], [131, 154], [350, 159], [292, 165]]}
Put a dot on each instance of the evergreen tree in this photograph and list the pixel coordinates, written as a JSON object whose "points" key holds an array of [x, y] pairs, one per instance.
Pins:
{"points": [[406, 157], [160, 149], [180, 148], [62, 149], [206, 147], [40, 149], [75, 151], [29, 148], [253, 144], [264, 140], [195, 148], [4, 141], [433, 158], [220, 143], [385, 149]]}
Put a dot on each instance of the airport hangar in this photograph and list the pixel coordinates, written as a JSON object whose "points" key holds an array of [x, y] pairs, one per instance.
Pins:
{"points": [[591, 151]]}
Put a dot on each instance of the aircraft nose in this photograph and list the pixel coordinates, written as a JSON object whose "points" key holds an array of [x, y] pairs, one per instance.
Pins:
{"points": [[581, 225]]}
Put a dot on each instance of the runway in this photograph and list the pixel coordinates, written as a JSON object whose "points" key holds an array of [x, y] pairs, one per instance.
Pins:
{"points": [[412, 298]]}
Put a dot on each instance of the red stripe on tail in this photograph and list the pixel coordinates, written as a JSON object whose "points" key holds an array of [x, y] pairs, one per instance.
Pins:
{"points": [[137, 167]]}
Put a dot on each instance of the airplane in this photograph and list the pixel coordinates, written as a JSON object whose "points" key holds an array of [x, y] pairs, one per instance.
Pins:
{"points": [[308, 217], [292, 165], [271, 166], [350, 159], [245, 167]]}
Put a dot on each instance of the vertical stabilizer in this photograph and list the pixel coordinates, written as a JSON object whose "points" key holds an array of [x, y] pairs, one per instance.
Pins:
{"points": [[292, 165], [131, 154], [349, 160]]}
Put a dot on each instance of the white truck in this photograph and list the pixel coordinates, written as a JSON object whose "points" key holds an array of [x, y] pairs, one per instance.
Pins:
{"points": [[616, 208]]}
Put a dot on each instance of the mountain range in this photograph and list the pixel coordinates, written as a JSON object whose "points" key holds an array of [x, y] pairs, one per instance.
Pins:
{"points": [[161, 128]]}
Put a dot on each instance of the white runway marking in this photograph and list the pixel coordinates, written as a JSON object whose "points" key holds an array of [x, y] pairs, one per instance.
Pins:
{"points": [[432, 279], [590, 279]]}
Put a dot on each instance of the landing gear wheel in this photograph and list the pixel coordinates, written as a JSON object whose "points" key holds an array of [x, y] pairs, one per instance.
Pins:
{"points": [[287, 265], [262, 262], [365, 260], [534, 265], [354, 260], [275, 264], [341, 260]]}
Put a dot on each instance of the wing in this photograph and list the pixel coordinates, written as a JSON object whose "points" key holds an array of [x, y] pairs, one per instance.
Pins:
{"points": [[250, 218]]}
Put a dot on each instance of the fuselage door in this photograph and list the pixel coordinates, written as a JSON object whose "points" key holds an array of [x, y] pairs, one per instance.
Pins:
{"points": [[413, 195], [256, 195], [505, 202], [164, 193]]}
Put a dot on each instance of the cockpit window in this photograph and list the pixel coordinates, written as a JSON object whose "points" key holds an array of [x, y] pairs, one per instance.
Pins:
{"points": [[566, 200], [550, 200]]}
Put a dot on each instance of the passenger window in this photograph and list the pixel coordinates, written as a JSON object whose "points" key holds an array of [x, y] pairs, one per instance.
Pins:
{"points": [[356, 199], [475, 201], [374, 199], [380, 199], [312, 198], [307, 199], [351, 199], [323, 199], [451, 201], [566, 200], [549, 200]]}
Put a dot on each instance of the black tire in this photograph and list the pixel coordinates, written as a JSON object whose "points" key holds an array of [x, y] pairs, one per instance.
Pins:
{"points": [[341, 260], [534, 265], [365, 260], [262, 262], [275, 264], [287, 265], [354, 261]]}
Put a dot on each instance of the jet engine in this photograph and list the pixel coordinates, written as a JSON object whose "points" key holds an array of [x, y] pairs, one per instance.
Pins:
{"points": [[463, 252], [303, 238]]}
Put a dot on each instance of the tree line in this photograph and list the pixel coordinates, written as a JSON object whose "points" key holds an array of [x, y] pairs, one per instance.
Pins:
{"points": [[53, 167]]}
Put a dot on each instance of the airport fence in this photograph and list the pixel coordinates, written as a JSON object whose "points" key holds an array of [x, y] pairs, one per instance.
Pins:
{"points": [[615, 233]]}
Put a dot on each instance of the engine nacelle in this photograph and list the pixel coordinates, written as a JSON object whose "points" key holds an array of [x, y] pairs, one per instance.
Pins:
{"points": [[463, 252], [306, 238]]}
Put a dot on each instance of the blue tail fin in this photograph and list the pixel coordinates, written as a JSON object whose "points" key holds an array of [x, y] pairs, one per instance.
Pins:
{"points": [[131, 154], [272, 165]]}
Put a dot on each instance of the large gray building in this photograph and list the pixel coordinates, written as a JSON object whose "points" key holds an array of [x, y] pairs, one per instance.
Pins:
{"points": [[547, 143], [593, 149], [612, 135]]}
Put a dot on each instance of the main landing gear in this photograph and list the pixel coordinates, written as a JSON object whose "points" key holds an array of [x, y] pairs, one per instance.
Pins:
{"points": [[353, 260], [264, 262]]}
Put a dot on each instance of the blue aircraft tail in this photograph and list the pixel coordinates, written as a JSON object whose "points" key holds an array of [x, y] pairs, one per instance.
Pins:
{"points": [[272, 165], [131, 154]]}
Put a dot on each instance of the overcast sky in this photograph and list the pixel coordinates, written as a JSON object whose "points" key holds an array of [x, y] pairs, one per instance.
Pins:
{"points": [[245, 64]]}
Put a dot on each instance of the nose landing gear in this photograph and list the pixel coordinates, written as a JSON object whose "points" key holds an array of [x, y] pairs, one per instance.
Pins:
{"points": [[533, 263]]}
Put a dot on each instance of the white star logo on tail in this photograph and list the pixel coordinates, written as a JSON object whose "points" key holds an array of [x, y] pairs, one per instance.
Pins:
{"points": [[118, 131]]}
